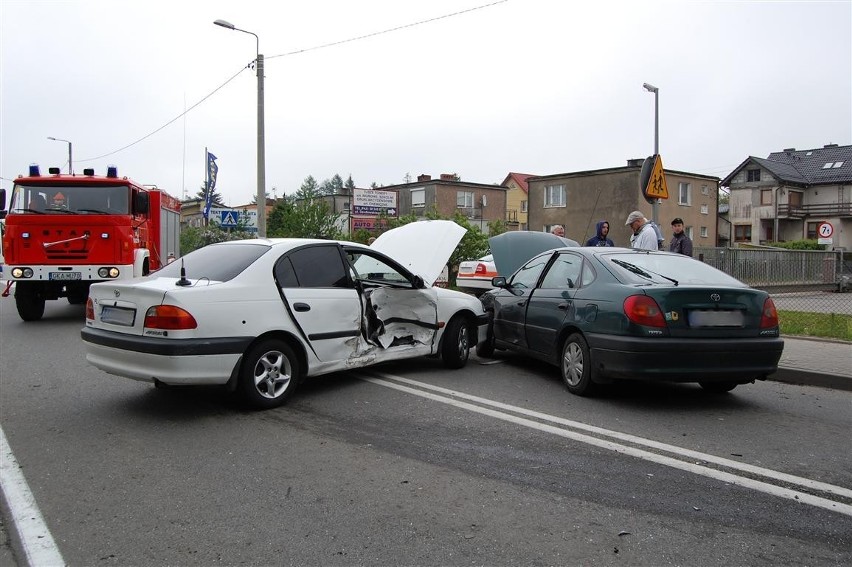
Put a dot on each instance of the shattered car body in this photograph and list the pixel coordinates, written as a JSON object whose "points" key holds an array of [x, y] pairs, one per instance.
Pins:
{"points": [[261, 315]]}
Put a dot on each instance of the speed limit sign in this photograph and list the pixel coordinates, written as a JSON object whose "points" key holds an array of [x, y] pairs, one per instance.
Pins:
{"points": [[825, 230]]}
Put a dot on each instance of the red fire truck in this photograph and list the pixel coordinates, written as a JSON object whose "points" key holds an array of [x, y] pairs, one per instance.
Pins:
{"points": [[65, 232]]}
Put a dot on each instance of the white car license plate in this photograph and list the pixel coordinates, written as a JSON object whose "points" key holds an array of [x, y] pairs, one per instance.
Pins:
{"points": [[118, 315], [713, 318], [65, 276]]}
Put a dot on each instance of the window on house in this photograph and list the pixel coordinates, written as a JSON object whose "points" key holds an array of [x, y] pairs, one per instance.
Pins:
{"points": [[703, 232], [766, 197], [829, 165], [812, 230], [795, 198], [554, 196], [684, 195], [742, 233], [464, 199], [838, 164], [705, 210], [753, 175], [705, 190], [346, 206], [418, 198], [523, 206]]}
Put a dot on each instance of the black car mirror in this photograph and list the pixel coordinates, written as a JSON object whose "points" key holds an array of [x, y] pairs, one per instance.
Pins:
{"points": [[498, 281]]}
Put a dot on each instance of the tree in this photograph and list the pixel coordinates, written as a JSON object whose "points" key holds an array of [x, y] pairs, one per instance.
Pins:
{"points": [[308, 190], [194, 237], [350, 184], [303, 218], [216, 198], [254, 197], [333, 186]]}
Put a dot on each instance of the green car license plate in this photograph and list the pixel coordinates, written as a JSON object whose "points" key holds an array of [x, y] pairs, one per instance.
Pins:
{"points": [[714, 318], [118, 315]]}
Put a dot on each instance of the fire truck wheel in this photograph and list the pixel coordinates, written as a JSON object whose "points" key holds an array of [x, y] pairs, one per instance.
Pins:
{"points": [[29, 302]]}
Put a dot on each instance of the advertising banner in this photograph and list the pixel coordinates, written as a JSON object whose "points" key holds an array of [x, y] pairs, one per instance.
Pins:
{"points": [[374, 202]]}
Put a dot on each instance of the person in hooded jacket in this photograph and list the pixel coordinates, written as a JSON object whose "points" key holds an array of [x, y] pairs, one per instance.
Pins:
{"points": [[601, 233]]}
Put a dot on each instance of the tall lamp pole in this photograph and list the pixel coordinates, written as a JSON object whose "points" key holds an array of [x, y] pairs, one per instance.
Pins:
{"points": [[656, 91], [261, 144], [70, 167]]}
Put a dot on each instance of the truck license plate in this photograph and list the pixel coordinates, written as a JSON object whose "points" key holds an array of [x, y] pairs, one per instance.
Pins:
{"points": [[66, 276]]}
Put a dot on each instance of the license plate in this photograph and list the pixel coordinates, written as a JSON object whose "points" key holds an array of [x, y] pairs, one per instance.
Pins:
{"points": [[713, 318], [65, 276], [118, 315]]}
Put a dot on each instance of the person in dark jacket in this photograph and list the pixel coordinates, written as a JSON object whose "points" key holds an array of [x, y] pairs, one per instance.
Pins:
{"points": [[680, 242], [600, 238]]}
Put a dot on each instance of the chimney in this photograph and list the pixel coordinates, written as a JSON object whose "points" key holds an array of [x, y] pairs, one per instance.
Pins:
{"points": [[424, 177], [449, 177], [635, 162], [830, 146], [789, 150]]}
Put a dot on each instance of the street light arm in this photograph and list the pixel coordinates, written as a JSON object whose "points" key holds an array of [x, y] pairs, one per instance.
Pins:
{"points": [[228, 25]]}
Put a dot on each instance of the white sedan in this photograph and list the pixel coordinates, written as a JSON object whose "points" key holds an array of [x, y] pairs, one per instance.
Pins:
{"points": [[476, 275], [261, 315]]}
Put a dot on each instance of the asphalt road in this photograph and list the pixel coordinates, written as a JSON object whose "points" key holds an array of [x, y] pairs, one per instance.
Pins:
{"points": [[410, 464]]}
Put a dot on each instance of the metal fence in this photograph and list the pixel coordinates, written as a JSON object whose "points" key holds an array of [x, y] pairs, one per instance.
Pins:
{"points": [[814, 281]]}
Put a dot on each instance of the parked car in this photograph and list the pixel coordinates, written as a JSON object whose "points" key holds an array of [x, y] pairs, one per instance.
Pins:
{"points": [[613, 313], [261, 315], [475, 275]]}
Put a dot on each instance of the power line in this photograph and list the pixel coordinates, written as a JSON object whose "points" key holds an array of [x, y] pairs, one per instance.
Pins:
{"points": [[323, 46]]}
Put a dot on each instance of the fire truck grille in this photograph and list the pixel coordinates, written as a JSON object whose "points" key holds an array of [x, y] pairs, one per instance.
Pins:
{"points": [[67, 254]]}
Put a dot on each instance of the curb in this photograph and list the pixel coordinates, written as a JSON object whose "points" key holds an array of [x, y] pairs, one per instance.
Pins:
{"points": [[811, 378]]}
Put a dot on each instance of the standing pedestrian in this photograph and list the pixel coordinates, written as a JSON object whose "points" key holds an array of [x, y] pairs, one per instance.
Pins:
{"points": [[644, 236], [600, 238], [680, 242]]}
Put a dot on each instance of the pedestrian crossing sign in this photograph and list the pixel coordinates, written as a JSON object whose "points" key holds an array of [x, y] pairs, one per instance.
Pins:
{"points": [[229, 219]]}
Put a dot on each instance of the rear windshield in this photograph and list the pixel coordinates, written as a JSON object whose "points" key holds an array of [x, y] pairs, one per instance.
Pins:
{"points": [[216, 262], [641, 267]]}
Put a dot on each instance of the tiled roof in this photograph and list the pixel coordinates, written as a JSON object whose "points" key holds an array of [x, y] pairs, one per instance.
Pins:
{"points": [[520, 179], [829, 165]]}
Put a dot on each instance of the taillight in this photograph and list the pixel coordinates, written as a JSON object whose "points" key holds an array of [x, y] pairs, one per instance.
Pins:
{"points": [[480, 268], [169, 317], [643, 310], [769, 317], [90, 310]]}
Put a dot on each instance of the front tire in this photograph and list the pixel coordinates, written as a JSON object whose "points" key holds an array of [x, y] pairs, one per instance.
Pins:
{"points": [[485, 349], [29, 301], [455, 345], [576, 365], [269, 374]]}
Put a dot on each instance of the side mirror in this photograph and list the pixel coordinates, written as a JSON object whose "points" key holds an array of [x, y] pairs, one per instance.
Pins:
{"points": [[498, 281], [2, 198], [141, 203], [419, 283]]}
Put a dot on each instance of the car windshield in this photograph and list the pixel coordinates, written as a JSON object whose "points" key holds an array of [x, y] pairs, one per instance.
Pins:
{"points": [[70, 199], [665, 268], [216, 262]]}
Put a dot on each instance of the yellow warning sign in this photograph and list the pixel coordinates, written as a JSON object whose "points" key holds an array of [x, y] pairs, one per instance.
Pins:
{"points": [[656, 187]]}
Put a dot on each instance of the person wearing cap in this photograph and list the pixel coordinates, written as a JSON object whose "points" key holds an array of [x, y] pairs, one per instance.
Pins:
{"points": [[680, 242], [644, 236]]}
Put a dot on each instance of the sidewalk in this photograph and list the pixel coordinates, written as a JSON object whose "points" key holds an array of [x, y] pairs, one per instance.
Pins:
{"points": [[815, 362]]}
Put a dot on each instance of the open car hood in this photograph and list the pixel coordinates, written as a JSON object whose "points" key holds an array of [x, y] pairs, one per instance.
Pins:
{"points": [[423, 247], [512, 249]]}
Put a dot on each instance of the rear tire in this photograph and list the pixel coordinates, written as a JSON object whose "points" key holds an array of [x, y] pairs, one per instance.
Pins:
{"points": [[455, 344], [29, 301], [576, 366], [718, 387], [269, 374]]}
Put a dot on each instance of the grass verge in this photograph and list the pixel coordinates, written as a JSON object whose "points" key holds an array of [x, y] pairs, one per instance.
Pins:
{"points": [[826, 325]]}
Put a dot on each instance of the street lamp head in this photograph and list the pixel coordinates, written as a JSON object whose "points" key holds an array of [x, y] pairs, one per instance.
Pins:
{"points": [[650, 88], [224, 24]]}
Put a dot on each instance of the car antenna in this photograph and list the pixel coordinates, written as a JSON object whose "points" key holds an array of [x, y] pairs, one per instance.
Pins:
{"points": [[183, 282]]}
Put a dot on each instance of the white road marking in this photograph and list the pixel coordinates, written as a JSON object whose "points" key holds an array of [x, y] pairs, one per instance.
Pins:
{"points": [[36, 542], [396, 382]]}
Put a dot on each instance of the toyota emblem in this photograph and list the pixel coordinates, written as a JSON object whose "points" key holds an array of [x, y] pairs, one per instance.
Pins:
{"points": [[118, 293], [713, 296]]}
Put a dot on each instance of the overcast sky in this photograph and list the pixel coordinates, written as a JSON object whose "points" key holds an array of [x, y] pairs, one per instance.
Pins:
{"points": [[530, 86]]}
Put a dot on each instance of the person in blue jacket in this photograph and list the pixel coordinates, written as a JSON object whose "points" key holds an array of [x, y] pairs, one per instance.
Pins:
{"points": [[600, 238]]}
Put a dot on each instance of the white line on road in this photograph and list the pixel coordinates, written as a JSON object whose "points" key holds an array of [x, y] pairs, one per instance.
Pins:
{"points": [[36, 543], [396, 382]]}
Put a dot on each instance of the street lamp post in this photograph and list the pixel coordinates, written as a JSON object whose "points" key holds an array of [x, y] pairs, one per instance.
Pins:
{"points": [[70, 167], [261, 144], [656, 91]]}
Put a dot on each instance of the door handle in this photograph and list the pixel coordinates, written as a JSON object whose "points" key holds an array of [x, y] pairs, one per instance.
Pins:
{"points": [[301, 307], [565, 305]]}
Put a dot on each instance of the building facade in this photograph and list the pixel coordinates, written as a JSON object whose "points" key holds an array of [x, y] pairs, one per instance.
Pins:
{"points": [[789, 194], [579, 200], [517, 200]]}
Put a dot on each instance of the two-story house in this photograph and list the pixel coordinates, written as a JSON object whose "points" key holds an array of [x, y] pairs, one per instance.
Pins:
{"points": [[479, 202], [580, 199], [789, 194], [517, 200]]}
